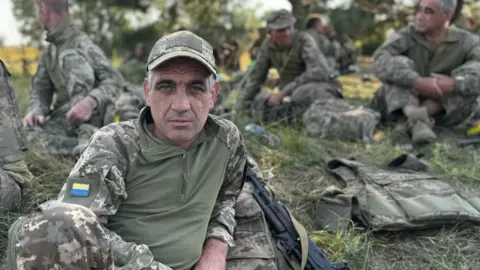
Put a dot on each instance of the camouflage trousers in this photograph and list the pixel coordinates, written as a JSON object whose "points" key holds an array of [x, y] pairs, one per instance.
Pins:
{"points": [[10, 192], [301, 99], [128, 105], [390, 99], [68, 236], [58, 136]]}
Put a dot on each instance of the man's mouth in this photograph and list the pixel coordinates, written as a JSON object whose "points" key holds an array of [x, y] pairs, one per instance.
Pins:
{"points": [[180, 122]]}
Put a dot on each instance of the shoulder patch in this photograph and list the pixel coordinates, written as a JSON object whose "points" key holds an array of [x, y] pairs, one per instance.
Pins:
{"points": [[80, 190]]}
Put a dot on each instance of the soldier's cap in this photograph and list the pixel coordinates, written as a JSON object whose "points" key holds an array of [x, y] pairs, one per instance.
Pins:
{"points": [[280, 19], [182, 44]]}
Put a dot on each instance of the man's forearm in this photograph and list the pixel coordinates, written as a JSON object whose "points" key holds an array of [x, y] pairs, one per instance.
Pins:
{"points": [[128, 255]]}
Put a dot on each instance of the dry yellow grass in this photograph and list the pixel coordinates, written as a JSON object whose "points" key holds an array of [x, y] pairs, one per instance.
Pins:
{"points": [[13, 56]]}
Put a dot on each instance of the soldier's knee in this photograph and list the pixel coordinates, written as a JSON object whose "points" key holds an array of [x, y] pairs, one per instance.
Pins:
{"points": [[55, 232], [254, 248]]}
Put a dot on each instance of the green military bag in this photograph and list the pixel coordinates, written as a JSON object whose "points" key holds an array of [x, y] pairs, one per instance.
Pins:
{"points": [[392, 199], [336, 118]]}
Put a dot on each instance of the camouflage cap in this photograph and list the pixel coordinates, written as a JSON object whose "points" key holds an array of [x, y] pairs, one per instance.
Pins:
{"points": [[280, 19], [182, 44]]}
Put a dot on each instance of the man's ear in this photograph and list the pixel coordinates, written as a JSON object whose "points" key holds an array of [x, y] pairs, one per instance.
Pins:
{"points": [[449, 15], [146, 90], [215, 90]]}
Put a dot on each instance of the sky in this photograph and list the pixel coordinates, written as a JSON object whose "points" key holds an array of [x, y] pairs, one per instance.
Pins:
{"points": [[9, 26]]}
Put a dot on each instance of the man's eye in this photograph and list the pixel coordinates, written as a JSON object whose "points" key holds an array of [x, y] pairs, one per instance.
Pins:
{"points": [[163, 87], [198, 88]]}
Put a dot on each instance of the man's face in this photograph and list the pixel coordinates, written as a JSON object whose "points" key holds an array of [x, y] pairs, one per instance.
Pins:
{"points": [[43, 13], [282, 37], [429, 17], [320, 28], [139, 52], [180, 95]]}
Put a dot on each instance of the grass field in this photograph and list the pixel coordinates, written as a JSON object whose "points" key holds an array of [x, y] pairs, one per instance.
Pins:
{"points": [[299, 178]]}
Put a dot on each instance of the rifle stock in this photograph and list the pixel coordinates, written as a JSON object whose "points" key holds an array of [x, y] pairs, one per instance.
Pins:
{"points": [[282, 226]]}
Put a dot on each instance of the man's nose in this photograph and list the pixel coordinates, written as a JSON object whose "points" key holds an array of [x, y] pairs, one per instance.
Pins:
{"points": [[180, 101]]}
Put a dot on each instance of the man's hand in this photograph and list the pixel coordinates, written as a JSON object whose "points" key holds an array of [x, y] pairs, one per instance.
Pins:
{"points": [[214, 256], [445, 83], [82, 111], [428, 87], [276, 98], [33, 120]]}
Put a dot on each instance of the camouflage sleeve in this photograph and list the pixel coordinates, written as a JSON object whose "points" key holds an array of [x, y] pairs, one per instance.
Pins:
{"points": [[256, 77], [110, 80], [222, 221], [467, 76], [317, 68], [390, 64], [101, 171], [77, 73], [41, 93]]}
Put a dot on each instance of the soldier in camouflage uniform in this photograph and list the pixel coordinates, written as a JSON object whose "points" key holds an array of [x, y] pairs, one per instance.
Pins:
{"points": [[80, 76], [305, 74], [316, 28], [157, 192], [14, 174], [430, 71]]}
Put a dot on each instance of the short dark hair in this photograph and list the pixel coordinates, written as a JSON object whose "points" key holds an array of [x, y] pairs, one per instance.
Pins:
{"points": [[57, 6], [312, 22]]}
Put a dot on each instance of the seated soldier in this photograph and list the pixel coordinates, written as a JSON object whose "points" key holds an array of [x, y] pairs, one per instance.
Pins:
{"points": [[305, 74], [430, 71], [157, 192], [317, 29], [14, 173], [81, 77]]}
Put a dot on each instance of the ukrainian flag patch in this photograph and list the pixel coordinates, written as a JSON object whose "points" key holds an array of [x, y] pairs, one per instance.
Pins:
{"points": [[80, 189]]}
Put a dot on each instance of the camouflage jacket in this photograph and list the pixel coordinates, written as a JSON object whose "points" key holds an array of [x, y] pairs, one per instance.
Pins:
{"points": [[300, 64], [12, 141], [72, 67], [457, 56], [323, 42], [105, 165]]}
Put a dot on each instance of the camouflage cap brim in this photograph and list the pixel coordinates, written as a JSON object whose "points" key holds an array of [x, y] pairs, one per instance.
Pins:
{"points": [[164, 58], [284, 24]]}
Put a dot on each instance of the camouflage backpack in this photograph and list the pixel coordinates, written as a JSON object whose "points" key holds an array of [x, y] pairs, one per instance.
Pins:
{"points": [[336, 118]]}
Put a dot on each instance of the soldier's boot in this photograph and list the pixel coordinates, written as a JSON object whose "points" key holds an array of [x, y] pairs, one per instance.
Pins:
{"points": [[420, 125], [400, 133]]}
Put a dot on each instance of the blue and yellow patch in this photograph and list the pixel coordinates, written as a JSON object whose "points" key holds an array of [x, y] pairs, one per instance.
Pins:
{"points": [[80, 189]]}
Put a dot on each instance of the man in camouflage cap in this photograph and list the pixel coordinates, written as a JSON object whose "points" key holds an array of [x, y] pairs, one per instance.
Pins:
{"points": [[430, 71], [80, 76], [305, 74], [14, 174], [157, 192]]}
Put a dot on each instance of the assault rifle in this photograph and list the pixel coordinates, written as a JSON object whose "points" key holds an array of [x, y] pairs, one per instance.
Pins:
{"points": [[285, 229]]}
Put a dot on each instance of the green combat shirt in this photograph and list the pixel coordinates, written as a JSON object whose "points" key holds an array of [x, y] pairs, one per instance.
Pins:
{"points": [[72, 67], [300, 64], [158, 202], [457, 56]]}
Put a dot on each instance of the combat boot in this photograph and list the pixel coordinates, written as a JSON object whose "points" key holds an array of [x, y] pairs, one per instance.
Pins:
{"points": [[420, 126]]}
